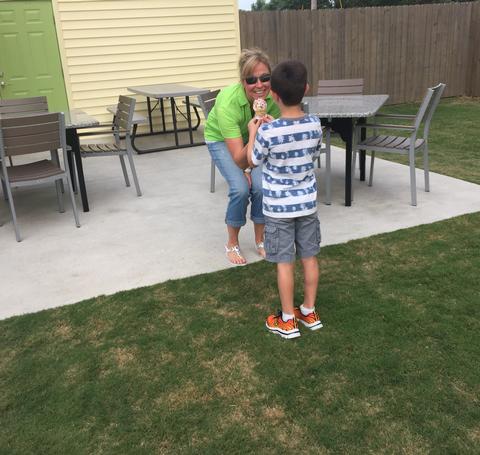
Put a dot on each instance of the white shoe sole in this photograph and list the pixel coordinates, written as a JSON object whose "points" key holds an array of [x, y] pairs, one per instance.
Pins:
{"points": [[314, 326], [288, 335]]}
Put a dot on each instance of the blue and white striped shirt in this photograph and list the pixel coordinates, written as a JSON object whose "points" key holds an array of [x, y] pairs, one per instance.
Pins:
{"points": [[287, 148]]}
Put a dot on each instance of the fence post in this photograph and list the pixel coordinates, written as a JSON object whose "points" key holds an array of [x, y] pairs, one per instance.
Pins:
{"points": [[472, 85]]}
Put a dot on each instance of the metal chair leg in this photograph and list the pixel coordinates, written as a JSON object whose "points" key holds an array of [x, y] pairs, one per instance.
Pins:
{"points": [[72, 199], [124, 169], [12, 211], [4, 189], [134, 172], [413, 184], [372, 163], [58, 187], [426, 167], [212, 177]]}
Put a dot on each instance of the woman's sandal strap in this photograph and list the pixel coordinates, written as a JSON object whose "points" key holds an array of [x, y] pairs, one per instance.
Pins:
{"points": [[235, 249]]}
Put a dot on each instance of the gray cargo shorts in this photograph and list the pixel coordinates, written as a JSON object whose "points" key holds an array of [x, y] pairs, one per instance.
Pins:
{"points": [[286, 238]]}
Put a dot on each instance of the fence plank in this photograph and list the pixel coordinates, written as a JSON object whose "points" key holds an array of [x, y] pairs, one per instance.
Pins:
{"points": [[473, 76]]}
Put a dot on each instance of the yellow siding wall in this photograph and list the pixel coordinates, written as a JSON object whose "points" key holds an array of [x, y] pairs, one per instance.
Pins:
{"points": [[109, 45]]}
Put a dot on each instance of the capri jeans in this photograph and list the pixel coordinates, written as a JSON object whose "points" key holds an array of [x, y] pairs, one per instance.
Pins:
{"points": [[239, 193]]}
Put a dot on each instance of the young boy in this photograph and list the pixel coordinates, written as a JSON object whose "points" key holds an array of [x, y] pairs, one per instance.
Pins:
{"points": [[287, 148]]}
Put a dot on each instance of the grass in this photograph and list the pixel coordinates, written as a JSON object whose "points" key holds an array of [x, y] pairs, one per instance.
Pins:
{"points": [[186, 366]]}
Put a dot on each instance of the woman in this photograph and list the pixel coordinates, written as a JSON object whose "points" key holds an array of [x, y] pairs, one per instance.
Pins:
{"points": [[226, 136]]}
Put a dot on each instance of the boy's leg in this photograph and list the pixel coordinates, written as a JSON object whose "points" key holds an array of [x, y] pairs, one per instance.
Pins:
{"points": [[280, 248], [306, 313], [308, 246], [311, 273], [285, 281]]}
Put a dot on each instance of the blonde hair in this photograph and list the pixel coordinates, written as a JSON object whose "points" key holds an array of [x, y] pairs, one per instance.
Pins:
{"points": [[249, 58]]}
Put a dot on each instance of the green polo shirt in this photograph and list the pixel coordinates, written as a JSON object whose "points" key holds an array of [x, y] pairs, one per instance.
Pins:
{"points": [[231, 113]]}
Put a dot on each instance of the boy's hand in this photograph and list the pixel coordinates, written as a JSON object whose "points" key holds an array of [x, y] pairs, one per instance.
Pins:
{"points": [[267, 118]]}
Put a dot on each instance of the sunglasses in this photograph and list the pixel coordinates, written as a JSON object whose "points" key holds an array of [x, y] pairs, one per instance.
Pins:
{"points": [[250, 80]]}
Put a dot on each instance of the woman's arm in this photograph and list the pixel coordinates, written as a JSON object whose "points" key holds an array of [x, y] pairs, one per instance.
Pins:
{"points": [[238, 151]]}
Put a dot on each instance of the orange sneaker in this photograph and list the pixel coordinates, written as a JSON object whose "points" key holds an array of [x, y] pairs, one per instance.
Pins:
{"points": [[312, 321], [287, 329]]}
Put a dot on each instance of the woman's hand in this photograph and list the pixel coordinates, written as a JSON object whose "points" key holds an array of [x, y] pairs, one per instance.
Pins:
{"points": [[248, 176], [253, 126]]}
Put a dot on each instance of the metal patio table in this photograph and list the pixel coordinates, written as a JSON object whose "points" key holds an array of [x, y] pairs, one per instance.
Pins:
{"points": [[76, 119], [160, 93], [340, 112]]}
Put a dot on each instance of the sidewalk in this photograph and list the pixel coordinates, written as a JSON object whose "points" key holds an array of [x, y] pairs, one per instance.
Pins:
{"points": [[176, 229]]}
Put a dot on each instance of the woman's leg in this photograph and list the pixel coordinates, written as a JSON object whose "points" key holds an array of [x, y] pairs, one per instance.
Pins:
{"points": [[234, 255], [238, 195], [256, 194], [259, 234]]}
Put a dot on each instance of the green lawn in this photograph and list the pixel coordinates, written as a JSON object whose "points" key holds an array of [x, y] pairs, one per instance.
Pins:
{"points": [[187, 367]]}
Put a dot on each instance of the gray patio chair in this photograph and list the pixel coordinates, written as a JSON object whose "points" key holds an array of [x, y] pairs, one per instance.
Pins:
{"points": [[25, 106], [121, 126], [415, 141], [328, 87], [22, 106], [206, 102], [29, 135]]}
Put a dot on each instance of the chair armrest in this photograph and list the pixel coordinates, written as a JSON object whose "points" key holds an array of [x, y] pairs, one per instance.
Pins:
{"points": [[137, 118], [101, 125], [98, 133], [386, 126]]}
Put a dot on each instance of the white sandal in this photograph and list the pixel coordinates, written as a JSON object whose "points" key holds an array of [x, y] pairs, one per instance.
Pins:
{"points": [[260, 245], [235, 249]]}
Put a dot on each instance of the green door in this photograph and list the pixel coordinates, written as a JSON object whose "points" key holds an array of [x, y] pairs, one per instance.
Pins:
{"points": [[29, 57]]}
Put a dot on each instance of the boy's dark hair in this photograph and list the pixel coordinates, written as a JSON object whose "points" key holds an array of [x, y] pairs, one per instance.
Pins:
{"points": [[289, 79]]}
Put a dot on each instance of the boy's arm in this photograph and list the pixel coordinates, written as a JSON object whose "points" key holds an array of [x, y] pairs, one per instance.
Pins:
{"points": [[253, 126], [319, 145]]}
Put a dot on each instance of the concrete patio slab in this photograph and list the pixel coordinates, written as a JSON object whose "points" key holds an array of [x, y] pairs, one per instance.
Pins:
{"points": [[176, 229]]}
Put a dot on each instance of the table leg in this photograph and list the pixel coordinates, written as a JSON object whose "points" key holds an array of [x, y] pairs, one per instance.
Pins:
{"points": [[344, 127], [174, 120], [149, 108], [348, 163], [71, 167], [363, 135], [189, 119], [74, 142], [162, 113]]}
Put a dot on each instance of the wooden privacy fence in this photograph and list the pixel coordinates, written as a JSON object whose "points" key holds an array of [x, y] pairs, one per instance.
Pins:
{"points": [[398, 50]]}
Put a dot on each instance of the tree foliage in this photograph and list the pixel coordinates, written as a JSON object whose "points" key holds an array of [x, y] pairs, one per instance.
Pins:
{"points": [[269, 5]]}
